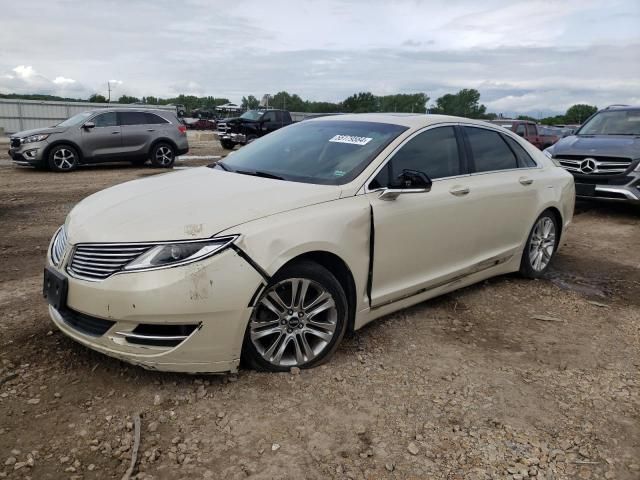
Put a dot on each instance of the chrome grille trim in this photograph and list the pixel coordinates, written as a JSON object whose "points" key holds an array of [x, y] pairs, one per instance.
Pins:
{"points": [[603, 165], [59, 245], [98, 261]]}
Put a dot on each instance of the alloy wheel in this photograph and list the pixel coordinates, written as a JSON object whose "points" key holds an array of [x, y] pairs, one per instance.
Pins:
{"points": [[293, 322], [64, 159], [164, 156], [542, 243]]}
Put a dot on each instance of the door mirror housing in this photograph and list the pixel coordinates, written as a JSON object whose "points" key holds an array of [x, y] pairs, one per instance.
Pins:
{"points": [[409, 181], [89, 125]]}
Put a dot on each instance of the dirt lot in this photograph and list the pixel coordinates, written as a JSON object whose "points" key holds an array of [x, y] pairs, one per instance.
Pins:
{"points": [[468, 386]]}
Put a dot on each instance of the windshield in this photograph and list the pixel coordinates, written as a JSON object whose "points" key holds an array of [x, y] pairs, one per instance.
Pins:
{"points": [[75, 120], [613, 122], [322, 152], [251, 115]]}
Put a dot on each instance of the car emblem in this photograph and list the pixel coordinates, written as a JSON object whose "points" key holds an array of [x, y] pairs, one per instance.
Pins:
{"points": [[588, 165]]}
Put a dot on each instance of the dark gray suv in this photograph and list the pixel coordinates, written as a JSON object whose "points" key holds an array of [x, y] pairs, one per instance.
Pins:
{"points": [[604, 155], [104, 135]]}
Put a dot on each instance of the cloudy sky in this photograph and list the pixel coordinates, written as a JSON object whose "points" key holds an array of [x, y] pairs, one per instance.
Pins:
{"points": [[530, 56]]}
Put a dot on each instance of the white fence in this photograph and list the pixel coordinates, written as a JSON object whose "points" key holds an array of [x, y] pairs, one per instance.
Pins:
{"points": [[18, 115]]}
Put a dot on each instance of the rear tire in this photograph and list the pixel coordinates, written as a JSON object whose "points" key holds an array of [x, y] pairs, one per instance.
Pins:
{"points": [[163, 155], [541, 246], [298, 320], [63, 158]]}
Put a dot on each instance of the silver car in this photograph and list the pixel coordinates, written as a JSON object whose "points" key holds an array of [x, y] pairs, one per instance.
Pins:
{"points": [[104, 135]]}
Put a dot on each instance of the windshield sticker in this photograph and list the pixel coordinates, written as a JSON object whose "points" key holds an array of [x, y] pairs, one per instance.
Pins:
{"points": [[339, 173], [350, 139]]}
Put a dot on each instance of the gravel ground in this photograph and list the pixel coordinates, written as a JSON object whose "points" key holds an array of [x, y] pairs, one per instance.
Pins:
{"points": [[506, 379]]}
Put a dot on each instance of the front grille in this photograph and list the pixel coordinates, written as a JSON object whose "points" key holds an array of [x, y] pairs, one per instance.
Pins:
{"points": [[93, 326], [59, 245], [15, 142], [222, 127], [598, 165], [99, 261]]}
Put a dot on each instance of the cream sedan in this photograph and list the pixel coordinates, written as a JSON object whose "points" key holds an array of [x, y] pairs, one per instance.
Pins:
{"points": [[271, 255]]}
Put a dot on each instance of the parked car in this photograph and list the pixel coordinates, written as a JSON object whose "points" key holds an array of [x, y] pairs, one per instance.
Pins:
{"points": [[528, 130], [103, 135], [321, 227], [604, 155], [250, 125]]}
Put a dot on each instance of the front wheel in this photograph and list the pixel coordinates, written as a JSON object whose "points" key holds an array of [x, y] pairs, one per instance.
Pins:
{"points": [[163, 155], [298, 321], [227, 144], [541, 246], [63, 158]]}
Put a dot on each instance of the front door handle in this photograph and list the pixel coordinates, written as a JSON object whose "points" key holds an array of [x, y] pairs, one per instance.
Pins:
{"points": [[525, 180], [115, 133], [459, 191], [151, 130]]}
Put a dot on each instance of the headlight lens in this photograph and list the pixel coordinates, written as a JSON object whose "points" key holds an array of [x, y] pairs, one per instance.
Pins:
{"points": [[637, 169], [35, 138], [179, 253]]}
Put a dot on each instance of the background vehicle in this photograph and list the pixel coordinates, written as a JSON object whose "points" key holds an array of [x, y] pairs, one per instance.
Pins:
{"points": [[250, 125], [604, 155], [530, 131], [105, 135], [336, 221]]}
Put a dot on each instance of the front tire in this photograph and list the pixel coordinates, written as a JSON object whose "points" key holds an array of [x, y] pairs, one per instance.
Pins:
{"points": [[63, 158], [163, 155], [298, 320], [541, 246], [227, 144]]}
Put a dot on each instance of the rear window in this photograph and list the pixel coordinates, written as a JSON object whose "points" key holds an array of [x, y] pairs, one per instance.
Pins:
{"points": [[490, 151], [153, 119], [524, 159], [132, 118]]}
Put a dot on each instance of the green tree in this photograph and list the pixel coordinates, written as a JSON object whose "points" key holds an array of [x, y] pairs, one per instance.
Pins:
{"points": [[128, 99], [361, 103], [465, 103], [402, 102], [250, 102], [97, 98], [579, 113], [287, 101]]}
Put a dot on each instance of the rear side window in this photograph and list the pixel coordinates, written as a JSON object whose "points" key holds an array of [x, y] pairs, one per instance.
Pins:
{"points": [[520, 129], [279, 117], [434, 152], [490, 152], [531, 130], [106, 120], [153, 119], [133, 118], [524, 159]]}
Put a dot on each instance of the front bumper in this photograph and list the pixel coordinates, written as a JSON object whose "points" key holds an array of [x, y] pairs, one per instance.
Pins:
{"points": [[232, 137], [625, 189], [28, 154], [210, 297]]}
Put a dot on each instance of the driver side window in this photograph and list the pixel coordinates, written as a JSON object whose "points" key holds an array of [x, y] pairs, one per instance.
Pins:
{"points": [[269, 117], [434, 152], [106, 120]]}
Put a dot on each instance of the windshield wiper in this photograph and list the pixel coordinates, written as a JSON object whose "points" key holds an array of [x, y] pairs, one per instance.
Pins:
{"points": [[258, 173]]}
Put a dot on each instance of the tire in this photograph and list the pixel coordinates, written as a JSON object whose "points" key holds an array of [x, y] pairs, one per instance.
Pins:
{"points": [[163, 155], [294, 340], [541, 245], [227, 144], [138, 162], [63, 158]]}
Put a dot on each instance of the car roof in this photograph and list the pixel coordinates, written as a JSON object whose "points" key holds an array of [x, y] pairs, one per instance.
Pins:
{"points": [[411, 120], [621, 107], [127, 109]]}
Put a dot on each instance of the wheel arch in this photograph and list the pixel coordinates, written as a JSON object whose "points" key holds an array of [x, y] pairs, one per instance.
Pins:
{"points": [[162, 140], [55, 143], [339, 268], [556, 213]]}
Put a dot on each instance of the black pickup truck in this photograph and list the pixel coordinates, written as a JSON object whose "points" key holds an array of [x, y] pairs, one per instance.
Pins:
{"points": [[250, 125]]}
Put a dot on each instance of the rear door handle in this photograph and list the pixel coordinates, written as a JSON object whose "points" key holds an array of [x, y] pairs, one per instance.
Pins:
{"points": [[151, 129], [459, 191], [525, 180], [115, 133]]}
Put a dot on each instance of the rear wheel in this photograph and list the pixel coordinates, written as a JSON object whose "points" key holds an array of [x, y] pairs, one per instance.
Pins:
{"points": [[541, 246], [163, 155], [63, 158], [298, 321]]}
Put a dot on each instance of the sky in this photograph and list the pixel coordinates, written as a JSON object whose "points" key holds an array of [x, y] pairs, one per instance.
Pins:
{"points": [[533, 57]]}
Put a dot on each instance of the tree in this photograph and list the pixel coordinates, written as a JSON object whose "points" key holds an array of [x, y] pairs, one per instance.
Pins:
{"points": [[97, 98], [287, 101], [250, 103], [579, 113], [128, 99], [465, 103], [402, 102], [361, 103]]}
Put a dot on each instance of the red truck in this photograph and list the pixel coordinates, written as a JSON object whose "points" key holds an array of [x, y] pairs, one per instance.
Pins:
{"points": [[530, 131]]}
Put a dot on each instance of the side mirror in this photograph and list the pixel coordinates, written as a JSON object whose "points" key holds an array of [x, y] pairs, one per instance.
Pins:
{"points": [[409, 181], [89, 125]]}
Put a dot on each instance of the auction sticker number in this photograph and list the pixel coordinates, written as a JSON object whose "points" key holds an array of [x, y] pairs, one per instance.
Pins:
{"points": [[350, 139]]}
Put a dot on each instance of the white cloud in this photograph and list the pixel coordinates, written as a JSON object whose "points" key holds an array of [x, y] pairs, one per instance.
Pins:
{"points": [[24, 71], [63, 81]]}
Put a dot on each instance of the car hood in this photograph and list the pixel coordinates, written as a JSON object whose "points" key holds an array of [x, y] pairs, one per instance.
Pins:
{"points": [[38, 131], [604, 145], [194, 203]]}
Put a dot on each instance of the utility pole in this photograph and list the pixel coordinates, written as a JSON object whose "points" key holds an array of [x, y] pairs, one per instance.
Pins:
{"points": [[109, 90]]}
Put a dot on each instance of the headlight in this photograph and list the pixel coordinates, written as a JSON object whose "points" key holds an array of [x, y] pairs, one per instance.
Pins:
{"points": [[637, 169], [178, 253], [35, 138]]}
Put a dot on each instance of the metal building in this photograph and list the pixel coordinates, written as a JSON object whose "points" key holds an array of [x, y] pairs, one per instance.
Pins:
{"points": [[17, 115]]}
